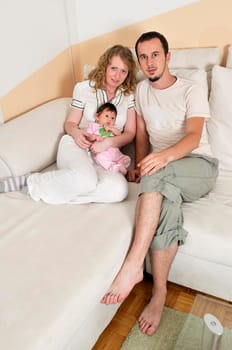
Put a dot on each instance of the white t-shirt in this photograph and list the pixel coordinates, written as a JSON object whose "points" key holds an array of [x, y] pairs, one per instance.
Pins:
{"points": [[166, 111], [85, 97]]}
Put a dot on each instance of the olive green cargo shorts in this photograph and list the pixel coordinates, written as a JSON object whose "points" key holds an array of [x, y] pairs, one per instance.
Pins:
{"points": [[183, 180]]}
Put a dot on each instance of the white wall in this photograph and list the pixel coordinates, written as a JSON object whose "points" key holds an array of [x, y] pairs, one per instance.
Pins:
{"points": [[32, 32], [98, 17]]}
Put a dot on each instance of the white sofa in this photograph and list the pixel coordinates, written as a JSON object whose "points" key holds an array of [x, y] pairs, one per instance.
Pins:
{"points": [[56, 261]]}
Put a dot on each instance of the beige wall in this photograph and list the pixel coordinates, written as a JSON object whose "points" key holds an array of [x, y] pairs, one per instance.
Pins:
{"points": [[51, 81], [205, 23]]}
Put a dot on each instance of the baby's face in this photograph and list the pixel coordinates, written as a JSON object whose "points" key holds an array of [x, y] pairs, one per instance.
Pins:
{"points": [[106, 118]]}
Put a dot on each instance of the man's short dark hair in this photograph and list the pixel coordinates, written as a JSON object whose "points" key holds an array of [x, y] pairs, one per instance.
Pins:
{"points": [[152, 35]]}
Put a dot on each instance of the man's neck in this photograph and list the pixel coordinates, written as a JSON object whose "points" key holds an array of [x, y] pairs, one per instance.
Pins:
{"points": [[164, 82]]}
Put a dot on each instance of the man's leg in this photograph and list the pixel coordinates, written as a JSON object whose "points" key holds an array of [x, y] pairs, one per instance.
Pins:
{"points": [[131, 272], [193, 177], [161, 261]]}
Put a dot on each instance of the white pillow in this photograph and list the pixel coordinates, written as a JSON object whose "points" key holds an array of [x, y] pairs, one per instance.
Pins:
{"points": [[198, 57], [220, 125], [229, 57], [29, 142], [86, 70]]}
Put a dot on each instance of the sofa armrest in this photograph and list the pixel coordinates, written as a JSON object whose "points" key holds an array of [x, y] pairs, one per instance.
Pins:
{"points": [[29, 142]]}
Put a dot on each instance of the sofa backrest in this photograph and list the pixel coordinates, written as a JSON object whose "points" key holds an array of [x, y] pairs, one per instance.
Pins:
{"points": [[229, 57], [29, 143], [220, 125]]}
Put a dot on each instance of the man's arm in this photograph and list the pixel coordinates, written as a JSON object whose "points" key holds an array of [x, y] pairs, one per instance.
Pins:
{"points": [[142, 144], [142, 148], [155, 161]]}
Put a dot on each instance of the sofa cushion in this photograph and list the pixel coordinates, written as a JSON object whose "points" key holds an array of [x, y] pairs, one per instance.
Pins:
{"points": [[229, 57], [198, 57], [217, 204], [194, 58], [220, 125], [56, 262], [29, 143]]}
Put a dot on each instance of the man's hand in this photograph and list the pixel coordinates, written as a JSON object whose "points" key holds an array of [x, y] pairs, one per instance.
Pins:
{"points": [[133, 175], [153, 162]]}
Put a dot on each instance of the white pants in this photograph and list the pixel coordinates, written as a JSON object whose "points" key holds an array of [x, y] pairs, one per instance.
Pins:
{"points": [[77, 180]]}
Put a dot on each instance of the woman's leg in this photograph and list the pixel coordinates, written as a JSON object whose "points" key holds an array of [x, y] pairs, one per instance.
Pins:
{"points": [[76, 175], [111, 188], [14, 183], [77, 180]]}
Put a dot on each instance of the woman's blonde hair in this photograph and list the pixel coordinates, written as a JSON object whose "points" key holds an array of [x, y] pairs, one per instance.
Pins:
{"points": [[99, 73]]}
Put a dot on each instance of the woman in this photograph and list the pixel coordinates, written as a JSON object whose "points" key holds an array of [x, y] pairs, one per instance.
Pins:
{"points": [[78, 179]]}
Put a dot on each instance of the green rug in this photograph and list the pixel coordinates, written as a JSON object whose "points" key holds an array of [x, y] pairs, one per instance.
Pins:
{"points": [[177, 331]]}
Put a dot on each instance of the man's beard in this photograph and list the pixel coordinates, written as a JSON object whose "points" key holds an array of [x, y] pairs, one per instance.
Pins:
{"points": [[152, 80]]}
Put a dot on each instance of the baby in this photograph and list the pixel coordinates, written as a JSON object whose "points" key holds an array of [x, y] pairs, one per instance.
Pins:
{"points": [[111, 159]]}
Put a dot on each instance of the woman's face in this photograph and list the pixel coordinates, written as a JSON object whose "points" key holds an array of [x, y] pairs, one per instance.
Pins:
{"points": [[116, 72]]}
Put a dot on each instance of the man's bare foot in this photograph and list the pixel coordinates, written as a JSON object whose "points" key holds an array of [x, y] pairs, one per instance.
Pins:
{"points": [[149, 319], [123, 283]]}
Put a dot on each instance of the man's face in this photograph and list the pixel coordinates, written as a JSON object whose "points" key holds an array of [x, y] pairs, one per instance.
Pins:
{"points": [[152, 59]]}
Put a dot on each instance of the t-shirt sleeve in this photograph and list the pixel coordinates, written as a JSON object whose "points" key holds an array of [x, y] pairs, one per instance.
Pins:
{"points": [[137, 99], [77, 98], [197, 102], [131, 101]]}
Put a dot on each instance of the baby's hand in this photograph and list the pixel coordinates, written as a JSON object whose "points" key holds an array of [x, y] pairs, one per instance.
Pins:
{"points": [[107, 128], [91, 137], [115, 131], [99, 138]]}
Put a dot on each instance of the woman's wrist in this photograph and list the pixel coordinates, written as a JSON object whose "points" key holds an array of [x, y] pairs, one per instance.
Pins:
{"points": [[73, 129], [70, 127]]}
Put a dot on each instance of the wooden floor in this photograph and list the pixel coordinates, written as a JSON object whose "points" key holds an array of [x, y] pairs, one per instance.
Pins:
{"points": [[178, 298]]}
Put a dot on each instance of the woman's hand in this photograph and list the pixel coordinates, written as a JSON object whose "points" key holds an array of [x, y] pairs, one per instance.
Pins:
{"points": [[100, 146], [81, 138]]}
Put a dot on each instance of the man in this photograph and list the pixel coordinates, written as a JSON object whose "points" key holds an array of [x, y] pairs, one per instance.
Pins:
{"points": [[170, 117]]}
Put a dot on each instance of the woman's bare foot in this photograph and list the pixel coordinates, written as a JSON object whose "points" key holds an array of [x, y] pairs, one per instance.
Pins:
{"points": [[123, 283], [149, 319]]}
